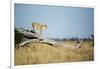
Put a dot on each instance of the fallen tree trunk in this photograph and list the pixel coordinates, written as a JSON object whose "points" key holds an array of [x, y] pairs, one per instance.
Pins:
{"points": [[39, 39], [50, 42], [46, 41], [29, 34]]}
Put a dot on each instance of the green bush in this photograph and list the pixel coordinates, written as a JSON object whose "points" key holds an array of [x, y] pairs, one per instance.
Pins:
{"points": [[18, 36]]}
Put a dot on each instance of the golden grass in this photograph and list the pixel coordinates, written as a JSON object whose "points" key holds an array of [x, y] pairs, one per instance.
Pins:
{"points": [[39, 53]]}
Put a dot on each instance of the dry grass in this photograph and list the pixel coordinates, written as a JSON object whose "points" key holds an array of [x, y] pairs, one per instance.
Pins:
{"points": [[39, 53]]}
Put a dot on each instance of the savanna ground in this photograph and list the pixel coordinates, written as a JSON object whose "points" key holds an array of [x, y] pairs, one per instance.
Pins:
{"points": [[39, 53]]}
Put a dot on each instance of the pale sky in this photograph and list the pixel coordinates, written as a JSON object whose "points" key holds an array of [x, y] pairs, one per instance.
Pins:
{"points": [[62, 21]]}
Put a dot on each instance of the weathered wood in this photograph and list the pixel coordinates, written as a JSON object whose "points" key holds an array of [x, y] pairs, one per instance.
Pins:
{"points": [[46, 41], [78, 45], [28, 41], [28, 34], [40, 39], [50, 42], [34, 37]]}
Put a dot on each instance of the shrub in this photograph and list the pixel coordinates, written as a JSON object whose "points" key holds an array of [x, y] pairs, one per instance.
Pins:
{"points": [[18, 36]]}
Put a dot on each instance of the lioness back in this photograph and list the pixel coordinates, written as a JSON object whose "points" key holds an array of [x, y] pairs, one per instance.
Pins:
{"points": [[39, 26]]}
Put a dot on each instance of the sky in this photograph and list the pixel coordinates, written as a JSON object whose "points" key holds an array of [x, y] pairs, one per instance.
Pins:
{"points": [[62, 21]]}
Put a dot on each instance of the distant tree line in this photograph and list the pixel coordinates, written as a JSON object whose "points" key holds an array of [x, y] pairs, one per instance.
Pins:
{"points": [[90, 38]]}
